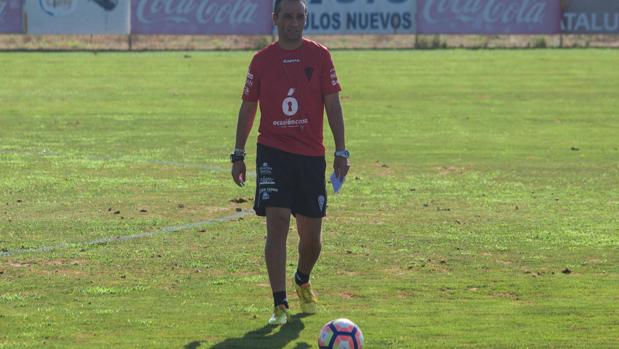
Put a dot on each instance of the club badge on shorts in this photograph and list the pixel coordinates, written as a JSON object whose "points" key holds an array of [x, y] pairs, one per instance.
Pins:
{"points": [[321, 202]]}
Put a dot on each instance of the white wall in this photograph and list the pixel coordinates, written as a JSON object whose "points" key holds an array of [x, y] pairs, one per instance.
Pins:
{"points": [[76, 17]]}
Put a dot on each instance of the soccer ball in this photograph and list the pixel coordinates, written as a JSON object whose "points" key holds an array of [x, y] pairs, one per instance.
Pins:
{"points": [[340, 334]]}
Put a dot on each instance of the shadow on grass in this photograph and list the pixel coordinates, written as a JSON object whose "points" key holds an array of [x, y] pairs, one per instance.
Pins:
{"points": [[270, 337]]}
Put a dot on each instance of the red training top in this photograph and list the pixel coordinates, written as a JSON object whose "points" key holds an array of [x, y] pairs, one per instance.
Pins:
{"points": [[291, 85]]}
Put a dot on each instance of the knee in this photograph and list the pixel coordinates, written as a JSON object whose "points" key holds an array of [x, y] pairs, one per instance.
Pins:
{"points": [[312, 239], [278, 224], [278, 215]]}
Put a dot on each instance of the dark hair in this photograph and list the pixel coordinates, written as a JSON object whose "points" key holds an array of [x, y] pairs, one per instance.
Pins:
{"points": [[278, 5]]}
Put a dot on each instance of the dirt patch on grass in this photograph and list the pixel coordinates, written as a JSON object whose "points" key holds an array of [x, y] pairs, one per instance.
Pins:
{"points": [[346, 295], [451, 170], [405, 294], [19, 265], [508, 295], [348, 273], [382, 169], [62, 272], [396, 271], [62, 262], [503, 262]]}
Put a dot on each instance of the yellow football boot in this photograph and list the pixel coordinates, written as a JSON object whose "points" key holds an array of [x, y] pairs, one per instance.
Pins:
{"points": [[307, 297], [280, 316]]}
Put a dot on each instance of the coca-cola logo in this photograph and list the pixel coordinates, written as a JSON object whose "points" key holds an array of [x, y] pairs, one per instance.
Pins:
{"points": [[201, 11], [488, 11]]}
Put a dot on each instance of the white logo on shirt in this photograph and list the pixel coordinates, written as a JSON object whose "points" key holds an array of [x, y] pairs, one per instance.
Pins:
{"points": [[333, 77], [248, 83], [290, 105]]}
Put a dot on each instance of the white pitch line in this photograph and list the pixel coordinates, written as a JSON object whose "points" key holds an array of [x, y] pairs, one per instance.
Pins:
{"points": [[102, 241]]}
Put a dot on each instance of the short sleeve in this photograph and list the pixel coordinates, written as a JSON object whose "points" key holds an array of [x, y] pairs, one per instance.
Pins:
{"points": [[330, 84], [251, 91]]}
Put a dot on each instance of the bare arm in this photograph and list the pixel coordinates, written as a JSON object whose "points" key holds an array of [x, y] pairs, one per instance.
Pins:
{"points": [[336, 122], [247, 114], [336, 119]]}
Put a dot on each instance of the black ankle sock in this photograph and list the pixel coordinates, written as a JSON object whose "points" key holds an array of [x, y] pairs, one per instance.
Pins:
{"points": [[280, 298], [300, 278]]}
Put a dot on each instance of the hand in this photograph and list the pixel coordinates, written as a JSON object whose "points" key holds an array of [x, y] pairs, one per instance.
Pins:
{"points": [[238, 173], [340, 166]]}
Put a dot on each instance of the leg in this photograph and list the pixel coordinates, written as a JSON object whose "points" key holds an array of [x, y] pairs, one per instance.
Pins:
{"points": [[310, 206], [309, 242], [309, 251], [278, 224]]}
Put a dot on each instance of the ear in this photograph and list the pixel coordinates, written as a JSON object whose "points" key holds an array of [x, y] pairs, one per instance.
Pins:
{"points": [[274, 19]]}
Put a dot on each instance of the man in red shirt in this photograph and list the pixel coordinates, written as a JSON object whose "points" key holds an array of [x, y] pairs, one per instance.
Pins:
{"points": [[293, 80]]}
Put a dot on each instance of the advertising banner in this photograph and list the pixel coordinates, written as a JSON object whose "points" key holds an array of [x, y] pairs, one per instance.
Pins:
{"points": [[230, 17], [488, 16], [77, 16], [590, 16], [361, 17], [11, 17]]}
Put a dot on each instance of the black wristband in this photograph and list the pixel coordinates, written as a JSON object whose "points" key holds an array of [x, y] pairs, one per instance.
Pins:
{"points": [[236, 157]]}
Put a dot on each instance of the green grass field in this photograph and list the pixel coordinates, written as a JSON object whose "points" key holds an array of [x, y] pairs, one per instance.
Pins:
{"points": [[481, 211]]}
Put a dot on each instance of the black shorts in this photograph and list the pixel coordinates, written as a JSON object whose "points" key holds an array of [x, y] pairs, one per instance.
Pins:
{"points": [[290, 181]]}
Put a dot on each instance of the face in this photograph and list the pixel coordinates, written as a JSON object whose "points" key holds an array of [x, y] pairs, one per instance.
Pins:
{"points": [[290, 20]]}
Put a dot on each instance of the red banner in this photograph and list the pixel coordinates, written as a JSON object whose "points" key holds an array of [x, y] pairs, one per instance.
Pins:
{"points": [[250, 17], [488, 16]]}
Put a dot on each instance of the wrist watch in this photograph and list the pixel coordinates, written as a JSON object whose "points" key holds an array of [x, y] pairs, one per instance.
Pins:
{"points": [[237, 155], [342, 153]]}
